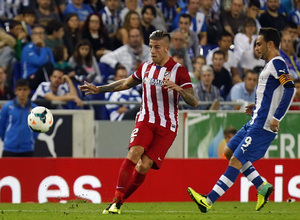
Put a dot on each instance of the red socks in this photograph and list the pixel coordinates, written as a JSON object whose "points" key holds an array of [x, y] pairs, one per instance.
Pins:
{"points": [[136, 180], [125, 175]]}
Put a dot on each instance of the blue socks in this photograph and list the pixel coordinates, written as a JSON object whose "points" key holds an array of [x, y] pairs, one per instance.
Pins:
{"points": [[223, 184]]}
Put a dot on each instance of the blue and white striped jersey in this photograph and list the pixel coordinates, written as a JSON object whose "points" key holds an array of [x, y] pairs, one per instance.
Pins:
{"points": [[274, 94], [112, 22]]}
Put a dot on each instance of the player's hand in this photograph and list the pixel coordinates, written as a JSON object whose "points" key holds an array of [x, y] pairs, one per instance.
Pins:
{"points": [[66, 78], [171, 85], [274, 125], [78, 101], [249, 109], [89, 88]]}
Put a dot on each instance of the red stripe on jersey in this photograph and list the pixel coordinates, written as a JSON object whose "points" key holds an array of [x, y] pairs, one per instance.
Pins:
{"points": [[160, 106]]}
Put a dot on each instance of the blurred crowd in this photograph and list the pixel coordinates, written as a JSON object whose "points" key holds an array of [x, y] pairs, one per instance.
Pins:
{"points": [[58, 44]]}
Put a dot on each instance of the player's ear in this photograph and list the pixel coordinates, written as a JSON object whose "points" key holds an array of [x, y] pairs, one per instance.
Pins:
{"points": [[167, 48]]}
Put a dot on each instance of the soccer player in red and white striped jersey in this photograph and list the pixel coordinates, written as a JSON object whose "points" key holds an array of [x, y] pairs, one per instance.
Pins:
{"points": [[163, 82]]}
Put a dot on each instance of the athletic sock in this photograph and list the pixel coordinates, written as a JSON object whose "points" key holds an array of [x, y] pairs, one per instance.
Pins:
{"points": [[249, 171], [125, 175], [137, 180], [223, 184]]}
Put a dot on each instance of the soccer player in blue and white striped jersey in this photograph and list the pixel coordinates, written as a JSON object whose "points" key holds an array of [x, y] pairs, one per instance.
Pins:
{"points": [[274, 95]]}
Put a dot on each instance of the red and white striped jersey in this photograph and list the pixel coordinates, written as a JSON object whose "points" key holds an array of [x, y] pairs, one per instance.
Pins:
{"points": [[158, 105]]}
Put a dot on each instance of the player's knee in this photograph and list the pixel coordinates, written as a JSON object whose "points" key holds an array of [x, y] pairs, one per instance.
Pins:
{"points": [[135, 153], [234, 162], [228, 153], [144, 165]]}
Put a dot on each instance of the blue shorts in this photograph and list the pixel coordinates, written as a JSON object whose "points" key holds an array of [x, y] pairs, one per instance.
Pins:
{"points": [[250, 144]]}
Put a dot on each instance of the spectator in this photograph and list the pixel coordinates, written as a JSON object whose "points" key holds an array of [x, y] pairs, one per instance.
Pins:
{"points": [[122, 112], [130, 5], [59, 88], [28, 20], [233, 19], [18, 138], [252, 11], [16, 30], [5, 89], [10, 9], [292, 29], [96, 5], [36, 59], [84, 63], [197, 63], [286, 52], [55, 33], [245, 91], [191, 41], [130, 55], [61, 56], [7, 54], [295, 15], [212, 17], [251, 60], [158, 21], [148, 14], [169, 11], [198, 20], [72, 32], [244, 40], [272, 17], [82, 10], [110, 15], [225, 42], [222, 78], [44, 13], [94, 31], [176, 47], [297, 95], [228, 132], [132, 20], [205, 90]]}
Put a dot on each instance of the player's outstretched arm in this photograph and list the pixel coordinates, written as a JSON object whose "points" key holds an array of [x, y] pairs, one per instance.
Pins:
{"points": [[119, 85]]}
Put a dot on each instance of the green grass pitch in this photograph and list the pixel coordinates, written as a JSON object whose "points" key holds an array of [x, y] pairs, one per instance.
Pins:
{"points": [[144, 211]]}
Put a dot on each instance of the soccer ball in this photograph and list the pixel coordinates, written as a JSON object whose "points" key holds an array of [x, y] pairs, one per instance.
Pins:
{"points": [[40, 119]]}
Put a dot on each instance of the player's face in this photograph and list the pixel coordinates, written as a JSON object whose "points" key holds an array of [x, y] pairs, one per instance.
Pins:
{"points": [[148, 16], [135, 39], [120, 74], [252, 12], [273, 5], [261, 47], [112, 4], [94, 23], [73, 22], [198, 64], [159, 51]]}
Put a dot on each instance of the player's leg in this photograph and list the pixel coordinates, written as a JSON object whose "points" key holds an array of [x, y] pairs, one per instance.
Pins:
{"points": [[223, 184], [138, 176], [248, 170]]}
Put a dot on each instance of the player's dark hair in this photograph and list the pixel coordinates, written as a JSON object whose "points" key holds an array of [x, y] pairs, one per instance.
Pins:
{"points": [[77, 56], [159, 35], [220, 52], [151, 7], [270, 34], [290, 24], [194, 60], [186, 16], [53, 25], [22, 82], [225, 34]]}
